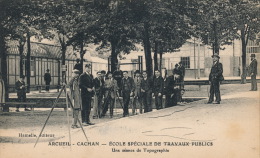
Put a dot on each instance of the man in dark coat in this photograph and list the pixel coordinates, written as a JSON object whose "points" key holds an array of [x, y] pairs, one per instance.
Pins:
{"points": [[47, 79], [21, 92], [146, 93], [169, 91], [158, 89], [127, 89], [215, 77], [86, 84], [253, 72]]}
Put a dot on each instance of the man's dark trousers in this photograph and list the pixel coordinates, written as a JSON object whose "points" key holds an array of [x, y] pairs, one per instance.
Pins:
{"points": [[86, 106], [126, 100], [253, 83], [214, 89], [47, 88], [158, 101], [147, 98]]}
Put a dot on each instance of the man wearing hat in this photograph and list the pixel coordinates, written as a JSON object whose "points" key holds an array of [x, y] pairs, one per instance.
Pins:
{"points": [[253, 72], [47, 79], [215, 77], [21, 92], [75, 96], [86, 83]]}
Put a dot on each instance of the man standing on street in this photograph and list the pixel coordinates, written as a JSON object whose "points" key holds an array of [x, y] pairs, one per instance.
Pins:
{"points": [[253, 72], [146, 91], [137, 93], [127, 87], [98, 83], [86, 84], [158, 89], [111, 90], [169, 91], [47, 79], [215, 77], [21, 92]]}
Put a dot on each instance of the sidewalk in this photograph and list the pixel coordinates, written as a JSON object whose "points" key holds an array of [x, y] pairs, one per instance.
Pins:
{"points": [[195, 129]]}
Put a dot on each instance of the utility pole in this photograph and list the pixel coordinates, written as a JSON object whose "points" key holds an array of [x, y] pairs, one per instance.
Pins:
{"points": [[195, 74], [199, 58]]}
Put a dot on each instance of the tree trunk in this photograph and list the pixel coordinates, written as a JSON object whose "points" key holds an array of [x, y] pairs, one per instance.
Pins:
{"points": [[155, 59], [244, 69], [28, 63], [82, 52], [114, 60], [161, 54], [147, 48], [21, 48], [216, 43], [63, 57], [3, 59]]}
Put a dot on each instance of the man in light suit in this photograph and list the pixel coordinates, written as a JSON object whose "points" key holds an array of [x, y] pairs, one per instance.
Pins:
{"points": [[215, 77], [137, 92], [111, 90], [253, 72]]}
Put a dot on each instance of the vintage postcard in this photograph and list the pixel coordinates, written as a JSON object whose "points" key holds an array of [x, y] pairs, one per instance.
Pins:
{"points": [[133, 78]]}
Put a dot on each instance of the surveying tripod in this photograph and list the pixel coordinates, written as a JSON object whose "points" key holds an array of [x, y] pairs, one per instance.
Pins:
{"points": [[68, 101]]}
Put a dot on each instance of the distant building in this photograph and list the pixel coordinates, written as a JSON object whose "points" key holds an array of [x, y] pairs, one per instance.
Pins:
{"points": [[196, 58], [43, 57]]}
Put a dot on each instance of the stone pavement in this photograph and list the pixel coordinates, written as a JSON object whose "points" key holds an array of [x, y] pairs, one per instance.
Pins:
{"points": [[195, 129]]}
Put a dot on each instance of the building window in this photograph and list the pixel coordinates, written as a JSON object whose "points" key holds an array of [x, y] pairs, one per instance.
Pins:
{"points": [[186, 62], [253, 46]]}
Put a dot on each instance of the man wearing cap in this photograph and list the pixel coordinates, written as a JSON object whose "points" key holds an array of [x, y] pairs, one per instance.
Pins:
{"points": [[253, 72], [75, 96], [86, 84], [47, 79], [21, 92], [215, 77]]}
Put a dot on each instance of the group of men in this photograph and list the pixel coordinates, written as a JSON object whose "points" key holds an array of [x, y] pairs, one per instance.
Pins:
{"points": [[106, 89]]}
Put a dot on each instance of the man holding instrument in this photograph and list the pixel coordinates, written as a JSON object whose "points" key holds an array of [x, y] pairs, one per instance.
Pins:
{"points": [[111, 90], [75, 95]]}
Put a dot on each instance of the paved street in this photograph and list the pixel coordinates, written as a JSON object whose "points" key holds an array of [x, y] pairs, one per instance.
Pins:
{"points": [[194, 129]]}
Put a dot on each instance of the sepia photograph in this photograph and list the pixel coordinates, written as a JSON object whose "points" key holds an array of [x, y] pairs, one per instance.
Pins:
{"points": [[130, 78]]}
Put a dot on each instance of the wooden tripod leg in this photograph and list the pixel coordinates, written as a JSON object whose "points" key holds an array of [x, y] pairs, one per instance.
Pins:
{"points": [[77, 118], [54, 104]]}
